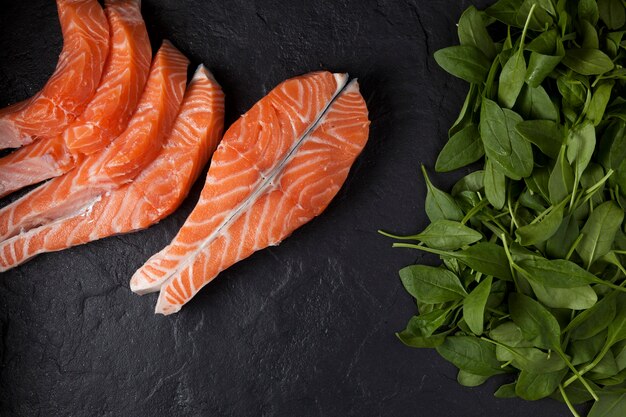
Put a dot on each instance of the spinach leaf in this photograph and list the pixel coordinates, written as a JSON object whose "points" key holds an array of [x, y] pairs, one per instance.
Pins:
{"points": [[467, 111], [507, 333], [471, 354], [588, 61], [503, 144], [534, 103], [473, 32], [583, 351], [462, 149], [506, 391], [419, 341], [470, 182], [599, 232], [431, 285], [486, 257], [588, 10], [573, 298], [594, 320], [617, 327], [590, 36], [544, 43], [541, 66], [559, 244], [581, 143], [465, 62], [506, 11], [439, 204], [612, 13], [561, 183], [599, 101], [535, 233], [545, 134], [474, 306], [557, 273], [538, 325], [612, 404], [447, 235], [532, 386], [427, 323], [467, 379], [495, 185], [512, 79]]}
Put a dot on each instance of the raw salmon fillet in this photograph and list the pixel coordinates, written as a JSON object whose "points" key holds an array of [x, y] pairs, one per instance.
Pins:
{"points": [[73, 83], [116, 165], [277, 167], [106, 115], [153, 195]]}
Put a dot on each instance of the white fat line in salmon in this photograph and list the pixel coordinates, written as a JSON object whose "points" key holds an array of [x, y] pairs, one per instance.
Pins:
{"points": [[342, 85], [80, 211]]}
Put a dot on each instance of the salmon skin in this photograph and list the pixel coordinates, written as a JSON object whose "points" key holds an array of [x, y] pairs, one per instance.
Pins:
{"points": [[106, 115], [119, 163], [276, 168], [156, 192], [73, 83]]}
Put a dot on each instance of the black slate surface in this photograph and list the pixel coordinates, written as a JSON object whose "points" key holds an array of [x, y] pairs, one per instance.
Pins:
{"points": [[303, 329]]}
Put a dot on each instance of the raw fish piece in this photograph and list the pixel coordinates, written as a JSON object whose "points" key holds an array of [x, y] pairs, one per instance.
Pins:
{"points": [[153, 195], [73, 83], [106, 115], [277, 167], [136, 147], [124, 79]]}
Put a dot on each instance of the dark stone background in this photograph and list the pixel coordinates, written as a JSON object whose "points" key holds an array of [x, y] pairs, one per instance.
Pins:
{"points": [[303, 329]]}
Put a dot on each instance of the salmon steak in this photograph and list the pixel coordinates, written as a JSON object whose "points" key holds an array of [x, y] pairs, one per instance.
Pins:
{"points": [[276, 168], [114, 166], [73, 83], [105, 117], [156, 192]]}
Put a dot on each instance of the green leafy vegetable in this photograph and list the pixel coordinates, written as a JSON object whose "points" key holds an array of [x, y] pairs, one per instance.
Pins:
{"points": [[533, 246], [471, 354], [464, 61], [431, 285], [463, 148], [588, 61], [599, 232], [474, 306], [612, 13], [439, 204]]}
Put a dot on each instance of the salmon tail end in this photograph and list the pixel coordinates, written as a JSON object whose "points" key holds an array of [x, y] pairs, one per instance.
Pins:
{"points": [[10, 136], [203, 71]]}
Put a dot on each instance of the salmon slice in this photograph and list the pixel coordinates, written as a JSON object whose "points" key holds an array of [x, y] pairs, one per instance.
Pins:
{"points": [[138, 145], [278, 167], [33, 163], [73, 83], [106, 115], [154, 194]]}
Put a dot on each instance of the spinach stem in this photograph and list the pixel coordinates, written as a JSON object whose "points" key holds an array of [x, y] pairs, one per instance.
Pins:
{"points": [[512, 265], [577, 375], [422, 248], [568, 402], [498, 312], [411, 237], [571, 250], [588, 367], [478, 207], [523, 38], [508, 203]]}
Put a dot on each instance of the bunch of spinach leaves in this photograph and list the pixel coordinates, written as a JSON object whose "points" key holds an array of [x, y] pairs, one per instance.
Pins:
{"points": [[533, 280]]}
